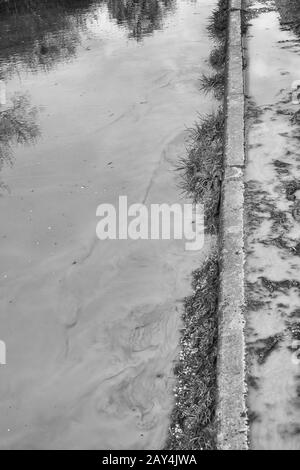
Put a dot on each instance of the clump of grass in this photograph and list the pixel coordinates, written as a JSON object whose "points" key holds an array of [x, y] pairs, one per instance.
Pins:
{"points": [[217, 26], [193, 418], [201, 169], [218, 30], [214, 83], [217, 57], [193, 415]]}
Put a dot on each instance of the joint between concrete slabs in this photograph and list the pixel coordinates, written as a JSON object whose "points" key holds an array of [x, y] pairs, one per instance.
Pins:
{"points": [[235, 94]]}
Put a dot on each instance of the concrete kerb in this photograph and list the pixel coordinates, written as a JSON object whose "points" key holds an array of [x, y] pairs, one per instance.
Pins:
{"points": [[232, 423]]}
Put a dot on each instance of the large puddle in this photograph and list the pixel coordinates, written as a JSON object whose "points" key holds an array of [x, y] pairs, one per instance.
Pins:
{"points": [[273, 216], [95, 101]]}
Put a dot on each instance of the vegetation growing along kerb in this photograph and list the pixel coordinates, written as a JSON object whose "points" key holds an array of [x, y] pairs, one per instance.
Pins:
{"points": [[193, 417]]}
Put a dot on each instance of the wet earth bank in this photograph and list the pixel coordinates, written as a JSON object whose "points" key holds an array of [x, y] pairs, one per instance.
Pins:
{"points": [[273, 225], [95, 99]]}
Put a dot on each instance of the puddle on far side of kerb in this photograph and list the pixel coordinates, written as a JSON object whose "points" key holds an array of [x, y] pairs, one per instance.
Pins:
{"points": [[273, 228], [105, 92]]}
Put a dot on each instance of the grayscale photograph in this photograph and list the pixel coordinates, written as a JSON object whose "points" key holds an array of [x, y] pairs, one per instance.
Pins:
{"points": [[150, 228]]}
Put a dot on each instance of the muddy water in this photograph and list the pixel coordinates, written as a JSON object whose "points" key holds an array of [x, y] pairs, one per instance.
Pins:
{"points": [[273, 217], [97, 100]]}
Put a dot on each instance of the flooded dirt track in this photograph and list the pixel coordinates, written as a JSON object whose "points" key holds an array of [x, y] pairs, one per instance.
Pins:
{"points": [[95, 100], [273, 226]]}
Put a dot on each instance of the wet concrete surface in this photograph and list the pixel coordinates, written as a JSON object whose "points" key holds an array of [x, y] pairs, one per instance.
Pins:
{"points": [[96, 99], [273, 227]]}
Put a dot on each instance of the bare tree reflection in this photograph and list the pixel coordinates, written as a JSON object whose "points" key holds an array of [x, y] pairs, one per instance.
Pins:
{"points": [[18, 125], [40, 33], [141, 17]]}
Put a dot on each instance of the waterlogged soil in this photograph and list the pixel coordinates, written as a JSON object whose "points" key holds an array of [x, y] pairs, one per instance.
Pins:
{"points": [[96, 98], [273, 227]]}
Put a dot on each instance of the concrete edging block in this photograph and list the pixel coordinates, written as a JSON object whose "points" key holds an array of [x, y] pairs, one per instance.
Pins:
{"points": [[235, 131]]}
